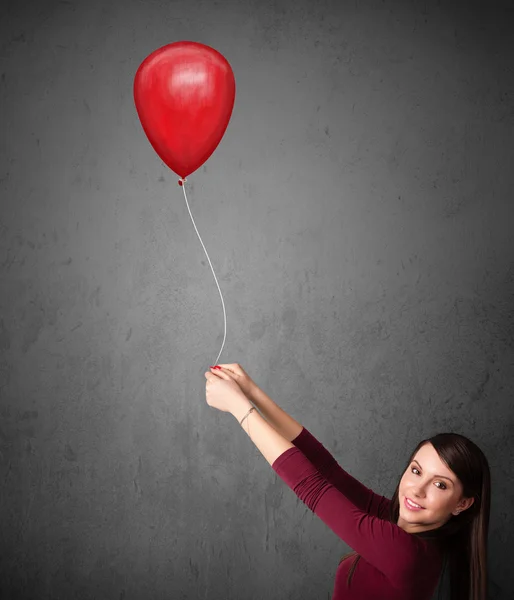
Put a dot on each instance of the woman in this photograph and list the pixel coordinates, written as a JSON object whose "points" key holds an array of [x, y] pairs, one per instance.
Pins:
{"points": [[400, 547]]}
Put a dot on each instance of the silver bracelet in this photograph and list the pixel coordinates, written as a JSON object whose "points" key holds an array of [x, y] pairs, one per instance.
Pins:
{"points": [[253, 408]]}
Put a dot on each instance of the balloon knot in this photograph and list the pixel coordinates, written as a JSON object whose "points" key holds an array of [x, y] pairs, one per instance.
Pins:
{"points": [[181, 181]]}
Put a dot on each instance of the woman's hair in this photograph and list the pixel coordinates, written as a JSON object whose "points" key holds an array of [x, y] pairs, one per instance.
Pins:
{"points": [[463, 539]]}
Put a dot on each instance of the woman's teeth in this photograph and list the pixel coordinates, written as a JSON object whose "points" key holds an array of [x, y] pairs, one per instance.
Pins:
{"points": [[411, 505]]}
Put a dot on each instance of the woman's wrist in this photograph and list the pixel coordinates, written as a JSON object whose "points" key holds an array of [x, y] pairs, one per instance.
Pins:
{"points": [[242, 408]]}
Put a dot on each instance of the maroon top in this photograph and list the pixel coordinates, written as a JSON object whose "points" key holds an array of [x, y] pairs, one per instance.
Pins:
{"points": [[394, 564]]}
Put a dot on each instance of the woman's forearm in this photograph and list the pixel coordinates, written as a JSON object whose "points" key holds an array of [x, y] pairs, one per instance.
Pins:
{"points": [[283, 423], [267, 439]]}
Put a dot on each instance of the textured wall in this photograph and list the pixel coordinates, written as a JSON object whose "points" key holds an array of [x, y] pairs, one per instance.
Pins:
{"points": [[358, 214]]}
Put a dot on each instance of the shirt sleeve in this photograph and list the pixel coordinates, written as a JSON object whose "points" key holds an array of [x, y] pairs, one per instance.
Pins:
{"points": [[361, 496], [383, 544]]}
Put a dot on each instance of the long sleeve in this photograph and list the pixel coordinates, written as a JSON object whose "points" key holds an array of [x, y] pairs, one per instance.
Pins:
{"points": [[363, 497], [343, 508]]}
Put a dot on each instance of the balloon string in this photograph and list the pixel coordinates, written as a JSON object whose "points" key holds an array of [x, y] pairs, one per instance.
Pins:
{"points": [[182, 183]]}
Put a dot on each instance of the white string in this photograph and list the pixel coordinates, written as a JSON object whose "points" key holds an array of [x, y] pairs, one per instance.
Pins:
{"points": [[183, 183]]}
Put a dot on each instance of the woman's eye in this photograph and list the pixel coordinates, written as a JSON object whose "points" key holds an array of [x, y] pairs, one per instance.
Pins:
{"points": [[441, 488]]}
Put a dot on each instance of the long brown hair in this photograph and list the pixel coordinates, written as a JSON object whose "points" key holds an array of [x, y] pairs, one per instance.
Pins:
{"points": [[463, 539]]}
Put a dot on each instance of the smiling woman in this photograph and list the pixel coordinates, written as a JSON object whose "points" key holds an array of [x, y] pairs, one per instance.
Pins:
{"points": [[448, 480], [401, 549]]}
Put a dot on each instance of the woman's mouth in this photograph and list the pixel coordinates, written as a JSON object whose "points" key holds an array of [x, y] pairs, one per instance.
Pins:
{"points": [[412, 505]]}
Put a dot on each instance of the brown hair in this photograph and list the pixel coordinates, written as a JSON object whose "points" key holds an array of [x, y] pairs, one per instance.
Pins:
{"points": [[463, 539]]}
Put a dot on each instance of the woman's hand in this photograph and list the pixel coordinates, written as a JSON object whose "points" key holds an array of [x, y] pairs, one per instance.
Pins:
{"points": [[241, 377], [223, 393]]}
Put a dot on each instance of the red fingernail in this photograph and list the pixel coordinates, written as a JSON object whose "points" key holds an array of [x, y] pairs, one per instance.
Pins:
{"points": [[216, 367], [211, 367]]}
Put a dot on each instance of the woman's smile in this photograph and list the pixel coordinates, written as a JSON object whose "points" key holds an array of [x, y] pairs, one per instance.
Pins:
{"points": [[411, 505]]}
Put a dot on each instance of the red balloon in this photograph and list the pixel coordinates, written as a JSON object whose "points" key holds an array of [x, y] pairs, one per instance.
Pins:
{"points": [[184, 94]]}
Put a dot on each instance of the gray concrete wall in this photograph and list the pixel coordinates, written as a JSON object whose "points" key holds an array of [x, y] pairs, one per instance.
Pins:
{"points": [[358, 214]]}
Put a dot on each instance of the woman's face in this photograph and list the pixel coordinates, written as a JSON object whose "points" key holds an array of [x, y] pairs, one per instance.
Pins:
{"points": [[429, 483]]}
